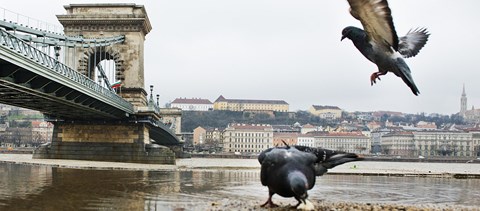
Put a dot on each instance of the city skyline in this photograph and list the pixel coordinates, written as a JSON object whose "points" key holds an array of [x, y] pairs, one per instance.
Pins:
{"points": [[192, 101], [292, 51]]}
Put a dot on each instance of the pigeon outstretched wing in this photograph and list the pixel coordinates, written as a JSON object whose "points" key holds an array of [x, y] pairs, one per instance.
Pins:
{"points": [[410, 44], [327, 159], [376, 18]]}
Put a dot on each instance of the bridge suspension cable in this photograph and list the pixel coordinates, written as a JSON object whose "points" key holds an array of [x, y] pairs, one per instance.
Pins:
{"points": [[29, 21], [24, 49], [64, 45]]}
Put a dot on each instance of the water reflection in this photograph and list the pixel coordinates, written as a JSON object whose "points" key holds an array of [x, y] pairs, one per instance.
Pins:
{"points": [[24, 187], [21, 180], [405, 190]]}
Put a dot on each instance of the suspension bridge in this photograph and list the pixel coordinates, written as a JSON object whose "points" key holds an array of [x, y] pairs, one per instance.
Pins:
{"points": [[88, 80]]}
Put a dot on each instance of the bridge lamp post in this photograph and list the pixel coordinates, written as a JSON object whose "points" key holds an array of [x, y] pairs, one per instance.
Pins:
{"points": [[158, 97], [151, 90], [57, 51]]}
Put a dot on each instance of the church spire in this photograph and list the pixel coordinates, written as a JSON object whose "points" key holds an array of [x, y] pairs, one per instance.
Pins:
{"points": [[463, 102]]}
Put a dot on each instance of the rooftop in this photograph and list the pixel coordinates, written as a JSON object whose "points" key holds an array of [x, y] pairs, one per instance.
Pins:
{"points": [[223, 99], [191, 101], [319, 107]]}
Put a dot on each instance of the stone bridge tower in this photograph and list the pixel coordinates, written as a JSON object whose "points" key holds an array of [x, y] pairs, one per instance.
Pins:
{"points": [[143, 140], [110, 20]]}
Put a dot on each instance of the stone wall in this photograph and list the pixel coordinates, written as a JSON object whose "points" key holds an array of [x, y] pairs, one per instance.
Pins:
{"points": [[104, 142]]}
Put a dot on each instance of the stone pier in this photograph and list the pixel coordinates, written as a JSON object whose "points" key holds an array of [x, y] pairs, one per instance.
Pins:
{"points": [[120, 142]]}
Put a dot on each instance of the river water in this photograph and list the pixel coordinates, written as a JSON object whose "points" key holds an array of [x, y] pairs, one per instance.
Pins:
{"points": [[38, 187]]}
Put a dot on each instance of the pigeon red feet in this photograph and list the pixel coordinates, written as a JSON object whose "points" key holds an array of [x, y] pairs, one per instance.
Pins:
{"points": [[269, 204], [375, 76]]}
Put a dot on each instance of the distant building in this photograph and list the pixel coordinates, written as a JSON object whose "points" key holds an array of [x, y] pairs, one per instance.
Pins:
{"points": [[208, 137], [364, 116], [306, 140], [373, 125], [214, 136], [250, 105], [193, 104], [247, 138], [41, 132], [199, 135], [18, 137], [376, 139], [431, 143], [426, 125], [326, 112], [444, 143], [398, 143], [285, 129], [472, 115], [378, 115], [308, 128], [354, 142], [289, 138]]}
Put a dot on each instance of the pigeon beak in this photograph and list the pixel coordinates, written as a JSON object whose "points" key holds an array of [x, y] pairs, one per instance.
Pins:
{"points": [[343, 37]]}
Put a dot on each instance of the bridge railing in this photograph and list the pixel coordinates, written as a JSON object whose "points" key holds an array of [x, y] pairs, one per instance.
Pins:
{"points": [[24, 20], [24, 49], [57, 39]]}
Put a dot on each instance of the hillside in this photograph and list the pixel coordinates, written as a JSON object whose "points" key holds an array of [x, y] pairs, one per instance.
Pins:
{"points": [[220, 119]]}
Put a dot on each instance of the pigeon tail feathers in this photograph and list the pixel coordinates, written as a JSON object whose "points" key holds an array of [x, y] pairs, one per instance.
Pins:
{"points": [[340, 159], [403, 71], [327, 159]]}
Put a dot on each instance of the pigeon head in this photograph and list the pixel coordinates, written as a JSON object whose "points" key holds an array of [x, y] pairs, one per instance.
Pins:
{"points": [[298, 184], [352, 33]]}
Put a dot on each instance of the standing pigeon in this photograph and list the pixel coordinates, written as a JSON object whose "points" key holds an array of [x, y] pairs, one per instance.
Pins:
{"points": [[290, 171], [379, 42]]}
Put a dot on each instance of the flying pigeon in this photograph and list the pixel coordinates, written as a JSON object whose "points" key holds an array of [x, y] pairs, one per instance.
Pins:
{"points": [[290, 171], [379, 42]]}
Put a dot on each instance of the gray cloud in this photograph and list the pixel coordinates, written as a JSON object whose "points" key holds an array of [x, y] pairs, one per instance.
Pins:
{"points": [[291, 50]]}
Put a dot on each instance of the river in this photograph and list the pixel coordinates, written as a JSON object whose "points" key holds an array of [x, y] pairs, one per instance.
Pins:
{"points": [[43, 187]]}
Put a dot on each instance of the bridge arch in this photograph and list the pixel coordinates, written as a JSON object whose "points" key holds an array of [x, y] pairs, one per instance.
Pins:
{"points": [[94, 56]]}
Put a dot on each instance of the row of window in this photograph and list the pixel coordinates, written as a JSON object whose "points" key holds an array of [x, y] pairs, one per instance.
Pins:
{"points": [[436, 153], [250, 140], [250, 134], [431, 147], [343, 140], [248, 146]]}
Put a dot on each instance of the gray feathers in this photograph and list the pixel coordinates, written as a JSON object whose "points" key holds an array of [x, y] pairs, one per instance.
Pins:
{"points": [[377, 21], [410, 44], [379, 43], [290, 171]]}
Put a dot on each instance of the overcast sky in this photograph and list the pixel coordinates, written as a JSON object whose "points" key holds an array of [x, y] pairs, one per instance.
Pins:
{"points": [[290, 50]]}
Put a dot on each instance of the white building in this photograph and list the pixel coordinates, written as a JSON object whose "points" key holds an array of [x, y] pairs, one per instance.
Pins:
{"points": [[432, 143], [400, 143], [444, 143], [306, 140], [193, 104], [326, 112], [247, 138], [354, 142]]}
